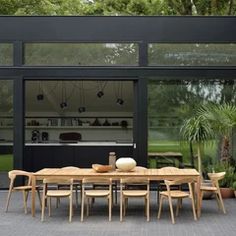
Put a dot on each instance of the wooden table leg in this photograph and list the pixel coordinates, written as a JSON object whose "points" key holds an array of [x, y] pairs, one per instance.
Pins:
{"points": [[33, 196], [198, 205]]}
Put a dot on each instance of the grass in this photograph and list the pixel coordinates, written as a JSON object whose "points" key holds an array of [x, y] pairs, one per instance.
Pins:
{"points": [[6, 162], [209, 151]]}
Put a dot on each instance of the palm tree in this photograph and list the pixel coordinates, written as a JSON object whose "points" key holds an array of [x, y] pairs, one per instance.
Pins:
{"points": [[197, 130], [222, 118]]}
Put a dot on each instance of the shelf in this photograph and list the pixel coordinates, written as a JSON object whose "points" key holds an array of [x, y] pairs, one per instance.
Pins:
{"points": [[6, 127], [77, 127]]}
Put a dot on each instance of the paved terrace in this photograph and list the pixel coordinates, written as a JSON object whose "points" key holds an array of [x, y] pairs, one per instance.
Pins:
{"points": [[211, 223]]}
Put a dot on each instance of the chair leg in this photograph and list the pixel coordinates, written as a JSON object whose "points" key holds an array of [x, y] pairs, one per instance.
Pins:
{"points": [[87, 212], [25, 201], [218, 202], [193, 207], [58, 201], [160, 206], [221, 201], [121, 206], [82, 208], [201, 197], [178, 206], [43, 208], [76, 196], [125, 199], [8, 200], [70, 207], [171, 210], [40, 201], [116, 200], [49, 206], [147, 207], [110, 206]]}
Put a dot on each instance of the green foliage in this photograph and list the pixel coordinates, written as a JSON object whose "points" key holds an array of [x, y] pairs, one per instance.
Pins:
{"points": [[197, 129], [221, 116], [118, 7], [234, 184], [229, 170], [6, 162]]}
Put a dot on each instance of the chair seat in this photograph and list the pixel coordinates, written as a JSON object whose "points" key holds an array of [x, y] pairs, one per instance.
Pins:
{"points": [[97, 193], [26, 188], [58, 193], [135, 193], [175, 194], [19, 188], [208, 188]]}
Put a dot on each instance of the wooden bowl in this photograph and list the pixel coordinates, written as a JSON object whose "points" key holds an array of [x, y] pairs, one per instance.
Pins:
{"points": [[102, 168]]}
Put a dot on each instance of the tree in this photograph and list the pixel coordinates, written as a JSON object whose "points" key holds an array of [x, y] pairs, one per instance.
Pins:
{"points": [[222, 118], [118, 7], [197, 129]]}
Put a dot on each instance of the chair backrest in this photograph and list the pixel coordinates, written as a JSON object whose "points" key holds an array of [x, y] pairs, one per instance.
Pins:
{"points": [[135, 183], [57, 181], [14, 173], [215, 177], [93, 180], [179, 181], [97, 181]]}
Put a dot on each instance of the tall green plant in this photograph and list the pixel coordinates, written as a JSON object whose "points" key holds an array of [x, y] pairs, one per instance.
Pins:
{"points": [[197, 130], [222, 118]]}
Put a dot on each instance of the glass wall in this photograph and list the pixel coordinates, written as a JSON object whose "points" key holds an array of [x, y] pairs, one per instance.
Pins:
{"points": [[96, 110], [192, 54], [81, 54], [171, 101], [6, 54], [6, 131]]}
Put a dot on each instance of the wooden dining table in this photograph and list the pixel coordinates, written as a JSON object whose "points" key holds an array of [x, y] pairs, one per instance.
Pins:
{"points": [[151, 174]]}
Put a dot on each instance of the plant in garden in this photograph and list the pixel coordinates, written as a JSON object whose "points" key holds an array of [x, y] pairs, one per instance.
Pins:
{"points": [[229, 170], [197, 130], [234, 185], [222, 118]]}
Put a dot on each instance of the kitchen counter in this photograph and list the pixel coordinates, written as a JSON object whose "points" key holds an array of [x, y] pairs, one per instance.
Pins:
{"points": [[84, 143], [80, 144]]}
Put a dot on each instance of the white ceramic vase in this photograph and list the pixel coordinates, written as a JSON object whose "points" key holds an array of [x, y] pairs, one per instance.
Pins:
{"points": [[125, 163]]}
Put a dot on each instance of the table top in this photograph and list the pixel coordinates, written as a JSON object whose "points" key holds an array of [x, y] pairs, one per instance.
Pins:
{"points": [[165, 154], [136, 172]]}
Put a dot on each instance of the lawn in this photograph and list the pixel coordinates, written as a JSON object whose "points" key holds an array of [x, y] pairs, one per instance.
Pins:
{"points": [[209, 151], [6, 162]]}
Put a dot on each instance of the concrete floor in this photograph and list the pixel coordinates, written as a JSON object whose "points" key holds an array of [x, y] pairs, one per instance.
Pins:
{"points": [[211, 223]]}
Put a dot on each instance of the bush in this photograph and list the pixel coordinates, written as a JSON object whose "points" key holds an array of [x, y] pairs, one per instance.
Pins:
{"points": [[229, 170]]}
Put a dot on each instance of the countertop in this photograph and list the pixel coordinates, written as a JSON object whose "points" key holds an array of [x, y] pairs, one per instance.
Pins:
{"points": [[83, 143]]}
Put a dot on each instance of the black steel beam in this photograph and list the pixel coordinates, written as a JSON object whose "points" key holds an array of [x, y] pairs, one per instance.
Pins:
{"points": [[114, 73], [18, 105], [118, 29]]}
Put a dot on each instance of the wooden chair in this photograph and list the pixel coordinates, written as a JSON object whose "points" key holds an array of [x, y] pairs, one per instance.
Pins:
{"points": [[162, 186], [177, 194], [214, 177], [88, 194], [128, 193], [77, 184], [24, 188], [49, 194]]}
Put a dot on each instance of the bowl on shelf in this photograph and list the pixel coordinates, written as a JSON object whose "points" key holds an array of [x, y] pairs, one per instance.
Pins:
{"points": [[101, 168], [125, 164]]}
